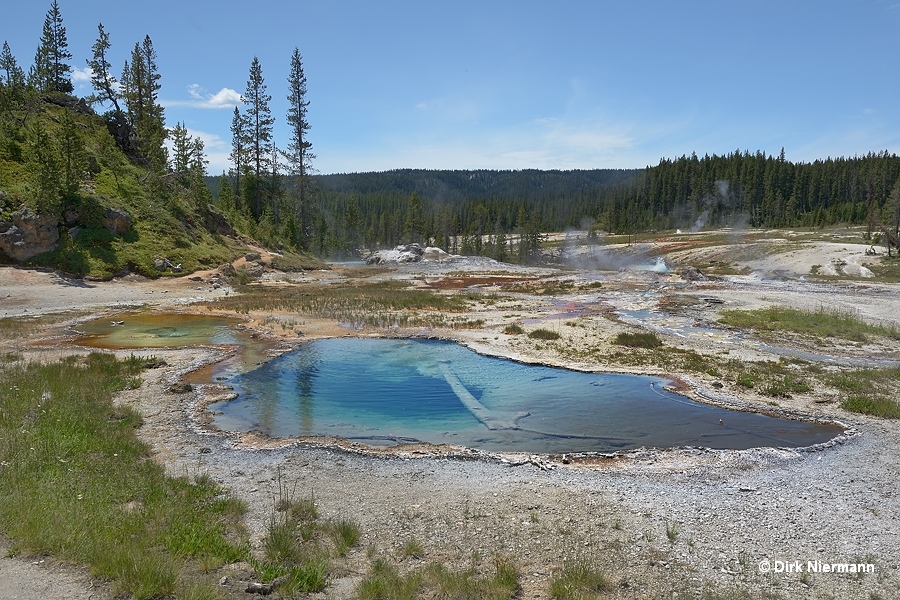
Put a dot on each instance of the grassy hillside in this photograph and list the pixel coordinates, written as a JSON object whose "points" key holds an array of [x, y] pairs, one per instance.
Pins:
{"points": [[171, 218]]}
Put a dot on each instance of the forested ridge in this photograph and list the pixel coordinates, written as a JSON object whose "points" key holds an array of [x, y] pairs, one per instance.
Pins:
{"points": [[456, 208]]}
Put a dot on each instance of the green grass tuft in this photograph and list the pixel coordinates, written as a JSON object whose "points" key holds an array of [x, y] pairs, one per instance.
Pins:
{"points": [[412, 549], [381, 305], [869, 391], [345, 533], [386, 583], [513, 329], [672, 530], [543, 334], [290, 261], [502, 584], [638, 340], [876, 406], [578, 580]]}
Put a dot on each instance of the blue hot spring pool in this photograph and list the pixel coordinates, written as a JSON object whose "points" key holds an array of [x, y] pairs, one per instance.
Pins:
{"points": [[379, 392]]}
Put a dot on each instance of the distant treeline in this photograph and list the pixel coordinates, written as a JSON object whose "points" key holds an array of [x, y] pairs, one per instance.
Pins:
{"points": [[480, 211], [760, 191]]}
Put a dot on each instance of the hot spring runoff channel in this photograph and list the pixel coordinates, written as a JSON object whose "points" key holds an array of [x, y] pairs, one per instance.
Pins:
{"points": [[383, 392]]}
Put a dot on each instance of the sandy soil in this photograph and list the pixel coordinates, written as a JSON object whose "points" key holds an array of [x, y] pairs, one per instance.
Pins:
{"points": [[729, 510]]}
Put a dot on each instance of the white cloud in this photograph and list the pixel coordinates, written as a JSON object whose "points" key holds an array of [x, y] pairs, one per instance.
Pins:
{"points": [[195, 91], [210, 140], [225, 98], [200, 98], [82, 75]]}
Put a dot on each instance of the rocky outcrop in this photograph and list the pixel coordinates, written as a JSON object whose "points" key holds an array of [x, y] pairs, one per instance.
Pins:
{"points": [[161, 264], [116, 221], [28, 234], [255, 270], [216, 222], [78, 105], [180, 388]]}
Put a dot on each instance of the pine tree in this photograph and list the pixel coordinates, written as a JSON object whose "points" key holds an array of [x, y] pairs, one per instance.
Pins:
{"points": [[51, 69], [351, 227], [73, 158], [106, 90], [500, 249], [275, 183], [140, 90], [414, 223], [240, 137], [198, 160], [182, 149], [12, 83], [530, 237], [260, 127], [105, 84], [299, 154], [198, 189], [44, 166], [892, 209], [188, 164], [13, 76], [225, 193]]}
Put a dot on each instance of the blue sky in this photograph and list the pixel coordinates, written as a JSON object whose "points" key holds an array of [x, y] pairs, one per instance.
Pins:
{"points": [[516, 84]]}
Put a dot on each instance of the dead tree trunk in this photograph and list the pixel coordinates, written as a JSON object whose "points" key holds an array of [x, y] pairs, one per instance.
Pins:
{"points": [[891, 239]]}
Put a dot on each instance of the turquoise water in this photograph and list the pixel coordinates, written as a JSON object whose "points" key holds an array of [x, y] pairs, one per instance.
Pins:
{"points": [[380, 392]]}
